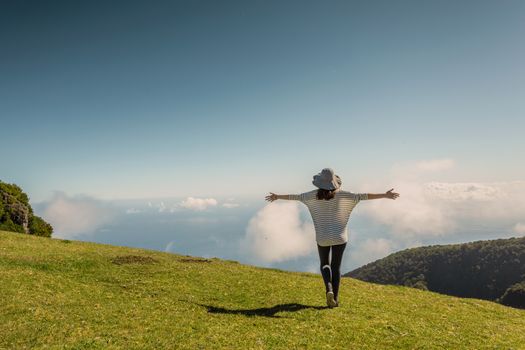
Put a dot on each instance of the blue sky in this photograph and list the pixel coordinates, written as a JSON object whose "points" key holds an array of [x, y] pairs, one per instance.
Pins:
{"points": [[131, 99], [137, 100]]}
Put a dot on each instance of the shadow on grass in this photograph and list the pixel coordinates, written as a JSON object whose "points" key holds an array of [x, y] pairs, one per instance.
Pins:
{"points": [[263, 311]]}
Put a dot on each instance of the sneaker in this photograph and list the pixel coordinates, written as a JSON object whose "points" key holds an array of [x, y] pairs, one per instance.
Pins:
{"points": [[330, 300]]}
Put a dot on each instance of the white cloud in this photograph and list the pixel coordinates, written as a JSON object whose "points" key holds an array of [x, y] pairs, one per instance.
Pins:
{"points": [[365, 251], [464, 191], [371, 249], [71, 216], [230, 205], [132, 211], [198, 204], [413, 213], [519, 228], [276, 233], [485, 202], [432, 208]]}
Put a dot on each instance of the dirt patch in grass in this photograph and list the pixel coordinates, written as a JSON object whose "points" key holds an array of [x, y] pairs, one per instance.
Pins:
{"points": [[133, 259], [192, 260]]}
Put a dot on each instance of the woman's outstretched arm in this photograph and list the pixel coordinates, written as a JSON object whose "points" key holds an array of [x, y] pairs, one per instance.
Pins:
{"points": [[387, 194], [272, 197]]}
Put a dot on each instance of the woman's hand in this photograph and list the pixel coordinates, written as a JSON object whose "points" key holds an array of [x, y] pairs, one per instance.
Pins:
{"points": [[391, 195], [271, 197]]}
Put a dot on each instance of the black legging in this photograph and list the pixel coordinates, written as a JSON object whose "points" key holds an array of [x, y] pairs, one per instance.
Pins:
{"points": [[333, 273]]}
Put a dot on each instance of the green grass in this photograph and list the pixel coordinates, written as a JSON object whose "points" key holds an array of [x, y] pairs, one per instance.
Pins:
{"points": [[59, 294]]}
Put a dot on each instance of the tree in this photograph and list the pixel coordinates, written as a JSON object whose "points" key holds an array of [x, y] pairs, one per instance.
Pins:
{"points": [[16, 214]]}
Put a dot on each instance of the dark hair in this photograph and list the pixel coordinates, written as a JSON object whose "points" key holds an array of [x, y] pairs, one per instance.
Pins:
{"points": [[325, 194]]}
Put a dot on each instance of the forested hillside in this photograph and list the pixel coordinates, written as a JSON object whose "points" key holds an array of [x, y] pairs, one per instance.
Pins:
{"points": [[492, 270]]}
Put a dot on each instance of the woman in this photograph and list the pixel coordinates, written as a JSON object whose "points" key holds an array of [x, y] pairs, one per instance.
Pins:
{"points": [[330, 208]]}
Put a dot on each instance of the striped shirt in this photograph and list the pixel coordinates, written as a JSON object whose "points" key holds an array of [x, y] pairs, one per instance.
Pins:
{"points": [[330, 217]]}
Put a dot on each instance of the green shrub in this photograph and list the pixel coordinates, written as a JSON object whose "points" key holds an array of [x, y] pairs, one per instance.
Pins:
{"points": [[38, 227]]}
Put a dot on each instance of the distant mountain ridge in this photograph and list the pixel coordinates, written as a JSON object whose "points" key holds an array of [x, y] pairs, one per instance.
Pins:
{"points": [[17, 215], [492, 270]]}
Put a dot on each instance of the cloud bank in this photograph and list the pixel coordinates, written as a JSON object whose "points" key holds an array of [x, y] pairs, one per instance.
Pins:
{"points": [[276, 234], [72, 216], [429, 208]]}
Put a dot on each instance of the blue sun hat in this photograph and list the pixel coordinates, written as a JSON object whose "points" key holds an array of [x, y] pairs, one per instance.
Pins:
{"points": [[327, 180]]}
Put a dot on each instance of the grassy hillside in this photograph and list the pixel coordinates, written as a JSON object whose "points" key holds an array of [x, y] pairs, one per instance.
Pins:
{"points": [[74, 295]]}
